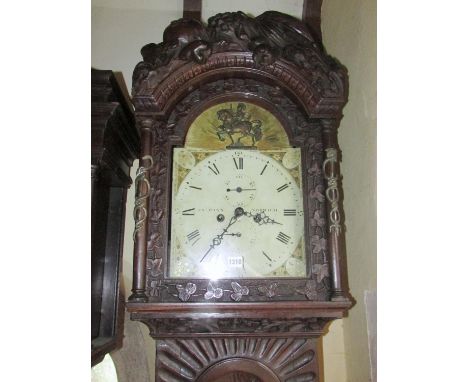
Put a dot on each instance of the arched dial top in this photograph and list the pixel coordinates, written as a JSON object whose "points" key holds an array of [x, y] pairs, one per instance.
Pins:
{"points": [[237, 213]]}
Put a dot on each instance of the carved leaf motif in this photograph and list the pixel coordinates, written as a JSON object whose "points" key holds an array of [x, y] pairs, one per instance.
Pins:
{"points": [[321, 270], [154, 267], [239, 291], [310, 290], [318, 244], [269, 291], [317, 193], [317, 221], [314, 169], [154, 285], [155, 241], [213, 292], [187, 291], [156, 216]]}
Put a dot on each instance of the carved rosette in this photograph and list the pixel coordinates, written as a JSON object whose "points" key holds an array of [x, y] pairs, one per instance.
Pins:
{"points": [[267, 359]]}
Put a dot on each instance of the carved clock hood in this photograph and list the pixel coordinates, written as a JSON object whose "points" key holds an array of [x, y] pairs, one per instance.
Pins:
{"points": [[273, 47], [267, 328]]}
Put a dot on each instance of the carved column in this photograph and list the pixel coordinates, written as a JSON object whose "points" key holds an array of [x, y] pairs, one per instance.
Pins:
{"points": [[331, 172], [140, 213]]}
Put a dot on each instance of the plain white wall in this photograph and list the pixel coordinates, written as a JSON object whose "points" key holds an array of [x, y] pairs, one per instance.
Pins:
{"points": [[349, 33], [120, 28]]}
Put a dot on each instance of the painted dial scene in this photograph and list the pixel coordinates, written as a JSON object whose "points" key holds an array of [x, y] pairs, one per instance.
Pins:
{"points": [[237, 213]]}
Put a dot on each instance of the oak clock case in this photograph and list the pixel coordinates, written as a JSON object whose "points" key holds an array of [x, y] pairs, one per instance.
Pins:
{"points": [[238, 229]]}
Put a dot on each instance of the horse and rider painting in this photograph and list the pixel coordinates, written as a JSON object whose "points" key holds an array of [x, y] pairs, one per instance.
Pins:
{"points": [[236, 126]]}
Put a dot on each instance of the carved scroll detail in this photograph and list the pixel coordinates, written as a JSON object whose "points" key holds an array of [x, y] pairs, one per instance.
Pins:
{"points": [[332, 193], [139, 212]]}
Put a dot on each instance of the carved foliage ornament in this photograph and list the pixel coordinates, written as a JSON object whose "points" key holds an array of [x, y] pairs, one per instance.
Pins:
{"points": [[270, 37]]}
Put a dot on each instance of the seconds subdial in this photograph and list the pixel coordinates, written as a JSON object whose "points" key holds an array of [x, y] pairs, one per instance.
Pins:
{"points": [[240, 190]]}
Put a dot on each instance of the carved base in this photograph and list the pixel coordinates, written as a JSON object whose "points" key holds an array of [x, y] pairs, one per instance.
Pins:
{"points": [[339, 295], [138, 296], [237, 360]]}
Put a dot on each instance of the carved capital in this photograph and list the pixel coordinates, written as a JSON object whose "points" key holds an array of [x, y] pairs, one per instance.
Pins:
{"points": [[330, 125], [144, 122]]}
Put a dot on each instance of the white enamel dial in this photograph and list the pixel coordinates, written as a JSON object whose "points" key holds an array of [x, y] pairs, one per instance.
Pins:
{"points": [[237, 213]]}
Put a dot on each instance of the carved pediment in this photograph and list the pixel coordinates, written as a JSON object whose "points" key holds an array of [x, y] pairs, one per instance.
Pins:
{"points": [[273, 47]]}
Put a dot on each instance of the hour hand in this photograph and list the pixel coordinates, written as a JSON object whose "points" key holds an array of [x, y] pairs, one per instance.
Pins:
{"points": [[261, 218]]}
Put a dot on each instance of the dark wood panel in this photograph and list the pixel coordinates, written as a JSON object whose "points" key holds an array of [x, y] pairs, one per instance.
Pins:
{"points": [[192, 9], [312, 17]]}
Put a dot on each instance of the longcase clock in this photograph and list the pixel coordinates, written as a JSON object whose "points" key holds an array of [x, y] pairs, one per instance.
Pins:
{"points": [[238, 234]]}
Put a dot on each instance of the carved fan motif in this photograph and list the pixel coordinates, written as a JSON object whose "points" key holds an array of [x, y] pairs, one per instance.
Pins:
{"points": [[291, 360]]}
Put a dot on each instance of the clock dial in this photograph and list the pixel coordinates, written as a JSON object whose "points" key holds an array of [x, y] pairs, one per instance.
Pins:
{"points": [[237, 213]]}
